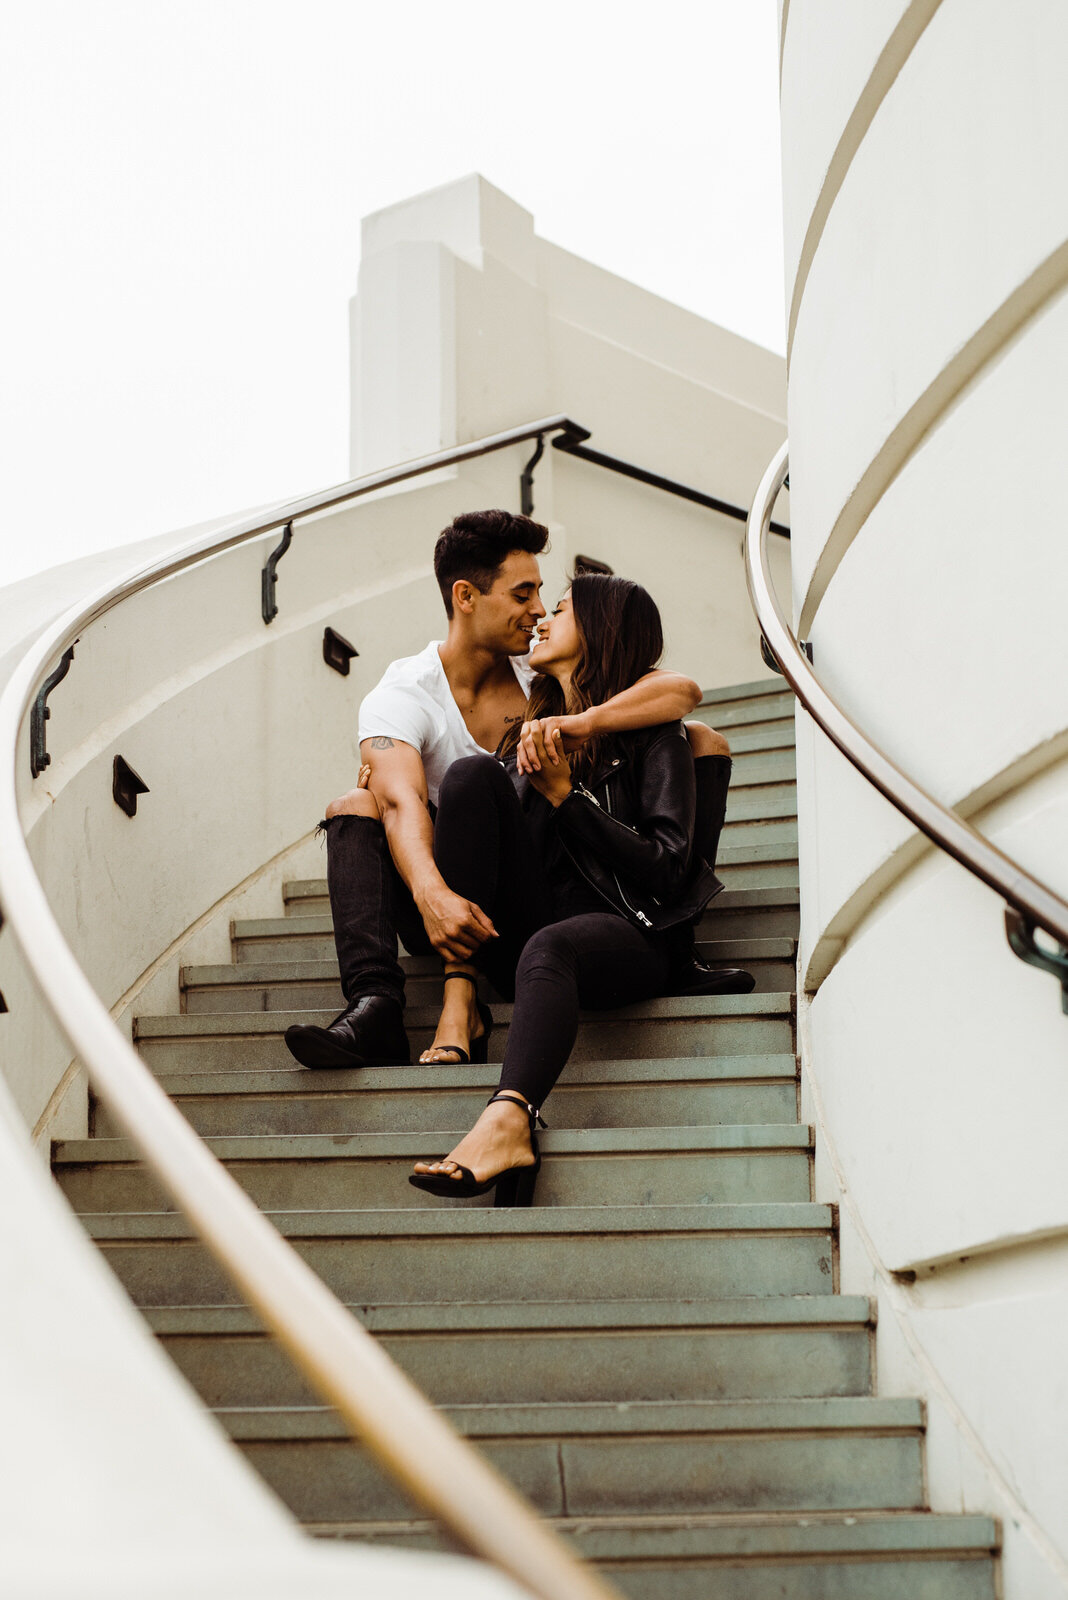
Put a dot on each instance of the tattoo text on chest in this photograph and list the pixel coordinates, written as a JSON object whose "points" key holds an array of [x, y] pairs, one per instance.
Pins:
{"points": [[509, 720], [380, 742]]}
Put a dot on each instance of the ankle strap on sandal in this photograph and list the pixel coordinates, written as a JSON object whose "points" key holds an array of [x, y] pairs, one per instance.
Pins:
{"points": [[514, 1098]]}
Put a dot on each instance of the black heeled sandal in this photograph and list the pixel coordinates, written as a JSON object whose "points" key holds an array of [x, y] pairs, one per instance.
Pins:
{"points": [[478, 1052], [515, 1185]]}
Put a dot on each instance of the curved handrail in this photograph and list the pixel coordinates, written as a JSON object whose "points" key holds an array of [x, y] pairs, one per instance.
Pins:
{"points": [[1031, 903], [342, 1361]]}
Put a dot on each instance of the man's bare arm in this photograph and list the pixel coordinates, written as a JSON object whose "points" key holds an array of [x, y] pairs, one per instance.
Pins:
{"points": [[660, 696], [455, 926]]}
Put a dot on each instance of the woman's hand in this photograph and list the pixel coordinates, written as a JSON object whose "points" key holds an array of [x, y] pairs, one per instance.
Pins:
{"points": [[551, 775], [560, 737]]}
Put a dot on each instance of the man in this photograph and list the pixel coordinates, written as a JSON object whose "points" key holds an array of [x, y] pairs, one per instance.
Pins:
{"points": [[452, 699]]}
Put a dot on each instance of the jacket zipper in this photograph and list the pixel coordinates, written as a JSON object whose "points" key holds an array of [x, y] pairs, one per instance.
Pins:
{"points": [[632, 909]]}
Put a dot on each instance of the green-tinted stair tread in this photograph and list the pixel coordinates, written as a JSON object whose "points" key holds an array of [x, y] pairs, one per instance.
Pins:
{"points": [[756, 689], [453, 1252], [613, 1166], [764, 736], [671, 1026], [267, 985], [595, 1459], [819, 1556], [612, 1351], [318, 971], [590, 1094], [763, 767], [665, 1008], [761, 801]]}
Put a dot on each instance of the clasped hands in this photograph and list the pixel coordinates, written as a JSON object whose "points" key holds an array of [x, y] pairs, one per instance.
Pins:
{"points": [[543, 750]]}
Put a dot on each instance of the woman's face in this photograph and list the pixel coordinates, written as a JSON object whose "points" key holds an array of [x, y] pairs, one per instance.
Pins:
{"points": [[558, 648]]}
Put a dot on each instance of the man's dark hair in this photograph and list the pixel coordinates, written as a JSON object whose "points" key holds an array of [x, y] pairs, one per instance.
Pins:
{"points": [[476, 544]]}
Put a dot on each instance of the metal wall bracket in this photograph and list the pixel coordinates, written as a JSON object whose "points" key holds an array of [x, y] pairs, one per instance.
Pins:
{"points": [[526, 479], [126, 786], [1020, 932], [767, 657], [337, 652], [39, 757], [269, 576]]}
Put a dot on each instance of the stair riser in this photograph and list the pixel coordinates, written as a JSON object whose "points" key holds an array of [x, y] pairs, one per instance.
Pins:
{"points": [[743, 923], [749, 712], [614, 1476], [765, 802], [760, 875], [772, 977], [466, 1369], [778, 734], [754, 834], [653, 1038], [875, 1580], [370, 1271], [427, 1110], [915, 1575], [763, 766], [678, 1178]]}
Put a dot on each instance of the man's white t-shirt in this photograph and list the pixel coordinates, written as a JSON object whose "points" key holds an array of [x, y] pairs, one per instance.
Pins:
{"points": [[412, 702]]}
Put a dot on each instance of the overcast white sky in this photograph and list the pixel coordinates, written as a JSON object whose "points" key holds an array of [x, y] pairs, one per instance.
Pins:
{"points": [[182, 187]]}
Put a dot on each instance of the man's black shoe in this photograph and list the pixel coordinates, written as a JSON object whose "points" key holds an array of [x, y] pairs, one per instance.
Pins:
{"points": [[368, 1033], [693, 976]]}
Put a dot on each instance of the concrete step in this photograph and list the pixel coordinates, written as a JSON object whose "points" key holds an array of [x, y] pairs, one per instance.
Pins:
{"points": [[580, 1167], [310, 937], [761, 802], [613, 1351], [777, 735], [751, 767], [594, 1460], [777, 871], [758, 689], [777, 710], [591, 1094], [872, 1555], [294, 985], [672, 1026], [450, 1252], [766, 795], [768, 911]]}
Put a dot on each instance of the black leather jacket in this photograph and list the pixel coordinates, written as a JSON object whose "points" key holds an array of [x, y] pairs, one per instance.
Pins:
{"points": [[629, 831]]}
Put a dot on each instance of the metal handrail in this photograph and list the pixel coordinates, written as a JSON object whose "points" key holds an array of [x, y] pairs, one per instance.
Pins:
{"points": [[1029, 903], [337, 1355]]}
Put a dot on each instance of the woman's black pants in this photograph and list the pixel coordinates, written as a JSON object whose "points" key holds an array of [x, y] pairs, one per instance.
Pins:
{"points": [[598, 960]]}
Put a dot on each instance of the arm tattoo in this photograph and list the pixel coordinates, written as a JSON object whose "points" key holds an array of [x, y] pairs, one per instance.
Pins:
{"points": [[380, 742]]}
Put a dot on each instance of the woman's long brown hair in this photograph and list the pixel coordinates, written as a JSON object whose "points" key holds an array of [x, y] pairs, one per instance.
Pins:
{"points": [[622, 639]]}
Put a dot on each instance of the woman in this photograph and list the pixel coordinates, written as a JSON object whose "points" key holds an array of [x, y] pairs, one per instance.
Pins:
{"points": [[584, 866]]}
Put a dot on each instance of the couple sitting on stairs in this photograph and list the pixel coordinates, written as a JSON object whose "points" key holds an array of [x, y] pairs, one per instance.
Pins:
{"points": [[568, 868]]}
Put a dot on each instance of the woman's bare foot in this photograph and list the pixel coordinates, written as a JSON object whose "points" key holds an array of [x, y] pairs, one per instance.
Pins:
{"points": [[499, 1139], [458, 1024]]}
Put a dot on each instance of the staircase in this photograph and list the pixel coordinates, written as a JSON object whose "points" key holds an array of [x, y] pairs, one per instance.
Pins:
{"points": [[656, 1353]]}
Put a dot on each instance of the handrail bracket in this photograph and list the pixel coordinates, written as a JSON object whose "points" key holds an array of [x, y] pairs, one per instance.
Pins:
{"points": [[1020, 932], [39, 756], [526, 479], [269, 576]]}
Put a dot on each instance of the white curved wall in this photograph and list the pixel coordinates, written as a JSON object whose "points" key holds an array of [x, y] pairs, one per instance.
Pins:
{"points": [[927, 268]]}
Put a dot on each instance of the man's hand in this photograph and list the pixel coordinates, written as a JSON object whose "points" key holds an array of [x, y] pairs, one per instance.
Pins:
{"points": [[455, 926], [558, 736], [551, 774]]}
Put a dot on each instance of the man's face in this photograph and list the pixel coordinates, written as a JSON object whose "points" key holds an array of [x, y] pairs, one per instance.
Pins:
{"points": [[504, 617]]}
